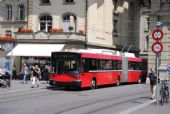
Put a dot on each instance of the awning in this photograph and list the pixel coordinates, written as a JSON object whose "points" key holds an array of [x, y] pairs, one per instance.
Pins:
{"points": [[35, 49]]}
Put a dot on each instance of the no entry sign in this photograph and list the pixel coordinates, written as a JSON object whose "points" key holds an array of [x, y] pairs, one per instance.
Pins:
{"points": [[157, 34], [157, 47]]}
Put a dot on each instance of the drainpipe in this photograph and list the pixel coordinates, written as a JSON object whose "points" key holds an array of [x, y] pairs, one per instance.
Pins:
{"points": [[27, 12], [86, 18]]}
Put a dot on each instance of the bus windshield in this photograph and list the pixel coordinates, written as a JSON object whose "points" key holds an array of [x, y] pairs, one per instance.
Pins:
{"points": [[65, 64]]}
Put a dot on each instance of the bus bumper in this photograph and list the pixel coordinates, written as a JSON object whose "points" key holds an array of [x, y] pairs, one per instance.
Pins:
{"points": [[73, 84]]}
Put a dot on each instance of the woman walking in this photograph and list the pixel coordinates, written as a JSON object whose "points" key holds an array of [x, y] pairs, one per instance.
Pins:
{"points": [[35, 76], [153, 80], [25, 73]]}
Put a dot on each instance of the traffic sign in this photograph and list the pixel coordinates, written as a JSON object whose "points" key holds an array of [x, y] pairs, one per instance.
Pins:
{"points": [[168, 69], [157, 34], [160, 23], [157, 47]]}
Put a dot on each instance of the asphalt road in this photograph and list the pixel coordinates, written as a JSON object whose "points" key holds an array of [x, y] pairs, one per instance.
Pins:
{"points": [[125, 99]]}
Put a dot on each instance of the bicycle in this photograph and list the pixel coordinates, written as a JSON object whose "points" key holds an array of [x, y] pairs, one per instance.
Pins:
{"points": [[164, 92], [4, 81]]}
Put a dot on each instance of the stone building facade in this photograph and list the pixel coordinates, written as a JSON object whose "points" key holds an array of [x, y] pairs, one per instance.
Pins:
{"points": [[155, 15], [160, 13], [78, 24]]}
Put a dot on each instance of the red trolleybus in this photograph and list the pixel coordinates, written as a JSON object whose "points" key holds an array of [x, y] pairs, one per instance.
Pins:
{"points": [[82, 69]]}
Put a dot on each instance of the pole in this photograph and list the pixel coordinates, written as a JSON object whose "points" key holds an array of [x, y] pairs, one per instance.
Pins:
{"points": [[157, 69], [86, 22], [157, 74], [11, 64], [27, 13]]}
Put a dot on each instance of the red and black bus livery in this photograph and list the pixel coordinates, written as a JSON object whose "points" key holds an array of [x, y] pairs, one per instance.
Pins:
{"points": [[82, 69]]}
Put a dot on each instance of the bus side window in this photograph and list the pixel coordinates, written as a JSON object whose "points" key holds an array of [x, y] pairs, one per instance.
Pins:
{"points": [[114, 64], [100, 65], [85, 65], [130, 65], [119, 65], [93, 64], [105, 65]]}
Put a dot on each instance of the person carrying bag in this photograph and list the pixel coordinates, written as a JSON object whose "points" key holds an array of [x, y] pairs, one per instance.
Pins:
{"points": [[153, 79]]}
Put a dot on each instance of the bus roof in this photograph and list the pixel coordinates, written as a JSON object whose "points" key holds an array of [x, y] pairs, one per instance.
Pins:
{"points": [[100, 56], [104, 54], [134, 59], [101, 51]]}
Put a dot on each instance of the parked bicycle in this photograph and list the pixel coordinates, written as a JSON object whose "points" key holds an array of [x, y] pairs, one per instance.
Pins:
{"points": [[164, 92], [4, 78]]}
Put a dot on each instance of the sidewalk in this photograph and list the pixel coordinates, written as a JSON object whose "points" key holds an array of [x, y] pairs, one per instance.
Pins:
{"points": [[16, 85], [154, 109]]}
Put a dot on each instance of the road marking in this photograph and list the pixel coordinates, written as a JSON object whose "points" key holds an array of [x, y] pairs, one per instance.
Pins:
{"points": [[19, 90], [15, 91], [137, 107]]}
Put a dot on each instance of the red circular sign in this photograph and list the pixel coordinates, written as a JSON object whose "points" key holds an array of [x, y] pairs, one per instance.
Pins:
{"points": [[157, 47], [157, 34]]}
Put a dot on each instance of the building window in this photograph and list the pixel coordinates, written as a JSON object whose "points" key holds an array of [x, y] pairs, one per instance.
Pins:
{"points": [[44, 2], [8, 33], [68, 2], [69, 23], [21, 12], [45, 23], [8, 12], [115, 4], [115, 26], [131, 21], [147, 43], [165, 5]]}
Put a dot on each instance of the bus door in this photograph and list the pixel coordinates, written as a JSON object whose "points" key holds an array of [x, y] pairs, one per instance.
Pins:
{"points": [[125, 69]]}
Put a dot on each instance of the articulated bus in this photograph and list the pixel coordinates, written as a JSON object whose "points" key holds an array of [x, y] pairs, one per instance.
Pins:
{"points": [[83, 69]]}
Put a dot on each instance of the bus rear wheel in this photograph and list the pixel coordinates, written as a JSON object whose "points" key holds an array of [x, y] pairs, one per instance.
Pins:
{"points": [[139, 80], [93, 84], [118, 81]]}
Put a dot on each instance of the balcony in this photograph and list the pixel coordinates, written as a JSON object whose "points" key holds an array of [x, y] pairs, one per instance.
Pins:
{"points": [[13, 21], [4, 39], [50, 37]]}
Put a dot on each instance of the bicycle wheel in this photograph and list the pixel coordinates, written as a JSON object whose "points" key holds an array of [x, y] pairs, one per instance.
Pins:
{"points": [[4, 84], [161, 96]]}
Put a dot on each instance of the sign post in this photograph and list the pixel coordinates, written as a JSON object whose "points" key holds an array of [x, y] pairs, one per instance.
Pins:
{"points": [[157, 48]]}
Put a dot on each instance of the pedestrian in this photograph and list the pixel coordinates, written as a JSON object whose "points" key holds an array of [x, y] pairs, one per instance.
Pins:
{"points": [[38, 70], [35, 76], [153, 80], [46, 72], [14, 73], [25, 73]]}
